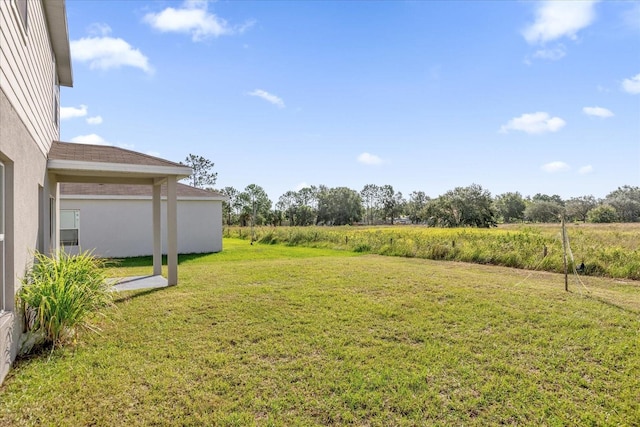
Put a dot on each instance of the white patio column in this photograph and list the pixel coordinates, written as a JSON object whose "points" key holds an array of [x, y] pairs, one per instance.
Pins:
{"points": [[172, 231], [54, 205], [157, 231]]}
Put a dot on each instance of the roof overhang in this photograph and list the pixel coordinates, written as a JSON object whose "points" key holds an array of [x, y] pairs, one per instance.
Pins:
{"points": [[179, 198], [56, 14], [113, 173]]}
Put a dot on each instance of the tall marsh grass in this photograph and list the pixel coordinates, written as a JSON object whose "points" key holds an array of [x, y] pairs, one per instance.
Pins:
{"points": [[58, 296], [611, 250]]}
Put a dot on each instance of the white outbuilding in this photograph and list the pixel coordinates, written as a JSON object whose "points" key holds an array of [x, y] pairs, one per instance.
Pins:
{"points": [[114, 220]]}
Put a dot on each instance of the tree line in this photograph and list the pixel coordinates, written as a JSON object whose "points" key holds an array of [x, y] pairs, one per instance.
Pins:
{"points": [[471, 206]]}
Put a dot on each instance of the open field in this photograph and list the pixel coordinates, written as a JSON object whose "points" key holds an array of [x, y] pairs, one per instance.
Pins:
{"points": [[609, 250], [285, 336]]}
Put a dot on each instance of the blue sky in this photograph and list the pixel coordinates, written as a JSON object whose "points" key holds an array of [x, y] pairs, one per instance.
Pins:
{"points": [[535, 97]]}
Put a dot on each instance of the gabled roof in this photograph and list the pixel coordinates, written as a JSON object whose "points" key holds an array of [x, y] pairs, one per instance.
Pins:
{"points": [[56, 14], [104, 154], [143, 191], [106, 164]]}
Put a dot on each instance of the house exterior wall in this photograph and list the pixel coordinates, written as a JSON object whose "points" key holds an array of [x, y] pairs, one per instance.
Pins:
{"points": [[28, 72], [27, 128], [122, 227]]}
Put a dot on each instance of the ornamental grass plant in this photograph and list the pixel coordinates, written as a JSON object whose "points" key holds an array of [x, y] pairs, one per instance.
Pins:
{"points": [[59, 296]]}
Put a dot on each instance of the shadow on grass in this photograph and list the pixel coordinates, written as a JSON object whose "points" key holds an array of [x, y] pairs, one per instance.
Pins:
{"points": [[130, 295], [147, 261]]}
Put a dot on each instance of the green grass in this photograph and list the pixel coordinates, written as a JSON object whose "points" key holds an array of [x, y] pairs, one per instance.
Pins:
{"points": [[275, 335], [610, 250]]}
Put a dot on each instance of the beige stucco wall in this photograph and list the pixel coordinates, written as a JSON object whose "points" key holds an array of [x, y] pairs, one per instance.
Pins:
{"points": [[26, 207], [122, 227]]}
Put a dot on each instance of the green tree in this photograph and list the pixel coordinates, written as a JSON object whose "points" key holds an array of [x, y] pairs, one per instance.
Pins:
{"points": [[510, 206], [307, 203], [602, 214], [391, 201], [546, 198], [626, 201], [371, 197], [470, 206], [229, 206], [288, 205], [416, 205], [203, 174], [544, 211], [577, 208], [256, 205], [338, 206]]}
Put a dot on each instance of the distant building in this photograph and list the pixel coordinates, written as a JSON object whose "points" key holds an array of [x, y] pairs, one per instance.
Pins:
{"points": [[113, 220]]}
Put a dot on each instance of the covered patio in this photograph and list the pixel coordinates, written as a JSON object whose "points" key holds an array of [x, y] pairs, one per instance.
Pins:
{"points": [[84, 163]]}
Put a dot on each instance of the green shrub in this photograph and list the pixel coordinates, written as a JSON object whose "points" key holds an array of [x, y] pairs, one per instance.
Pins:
{"points": [[58, 295], [439, 251], [269, 239], [362, 247]]}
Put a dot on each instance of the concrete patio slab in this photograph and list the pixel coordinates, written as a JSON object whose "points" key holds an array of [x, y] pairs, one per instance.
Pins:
{"points": [[139, 282]]}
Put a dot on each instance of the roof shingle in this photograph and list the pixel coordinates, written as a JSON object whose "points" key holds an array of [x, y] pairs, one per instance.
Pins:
{"points": [[91, 189], [103, 154]]}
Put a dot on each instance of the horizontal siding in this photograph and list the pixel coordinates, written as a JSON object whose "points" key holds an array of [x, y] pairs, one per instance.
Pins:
{"points": [[26, 70]]}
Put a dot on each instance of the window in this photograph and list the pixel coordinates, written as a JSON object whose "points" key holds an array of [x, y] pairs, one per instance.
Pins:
{"points": [[52, 222], [69, 227], [56, 96], [22, 7]]}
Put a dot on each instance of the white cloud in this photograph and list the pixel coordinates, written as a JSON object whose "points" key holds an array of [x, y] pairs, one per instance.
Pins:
{"points": [[275, 100], [94, 120], [369, 159], [192, 18], [554, 167], [557, 19], [585, 170], [107, 52], [99, 29], [534, 123], [72, 112], [632, 85], [90, 139], [631, 17], [597, 111], [550, 54]]}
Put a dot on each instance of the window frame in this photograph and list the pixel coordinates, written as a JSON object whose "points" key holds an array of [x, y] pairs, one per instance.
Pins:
{"points": [[56, 97], [76, 221], [21, 8]]}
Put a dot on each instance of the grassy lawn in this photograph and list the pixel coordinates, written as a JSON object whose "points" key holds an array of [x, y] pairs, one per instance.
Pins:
{"points": [[276, 335], [607, 250]]}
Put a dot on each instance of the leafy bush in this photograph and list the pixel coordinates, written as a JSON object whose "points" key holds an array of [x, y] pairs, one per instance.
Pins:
{"points": [[602, 214], [362, 247], [59, 295]]}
